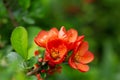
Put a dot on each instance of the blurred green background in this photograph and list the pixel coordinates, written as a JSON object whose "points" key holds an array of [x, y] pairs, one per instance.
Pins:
{"points": [[98, 20]]}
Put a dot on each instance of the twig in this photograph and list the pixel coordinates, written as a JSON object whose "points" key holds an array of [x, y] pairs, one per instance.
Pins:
{"points": [[14, 22], [33, 72]]}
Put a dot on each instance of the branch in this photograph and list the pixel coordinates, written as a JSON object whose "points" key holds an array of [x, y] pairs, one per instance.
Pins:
{"points": [[33, 71], [12, 18]]}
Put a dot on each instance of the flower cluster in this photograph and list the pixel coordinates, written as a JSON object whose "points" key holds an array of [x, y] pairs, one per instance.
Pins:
{"points": [[64, 46]]}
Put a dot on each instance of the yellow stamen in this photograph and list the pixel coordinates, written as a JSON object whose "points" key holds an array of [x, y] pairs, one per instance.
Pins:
{"points": [[55, 54], [77, 58]]}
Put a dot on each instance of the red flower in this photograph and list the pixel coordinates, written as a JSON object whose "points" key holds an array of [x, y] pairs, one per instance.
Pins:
{"points": [[56, 51], [57, 43], [80, 57], [43, 36], [69, 36]]}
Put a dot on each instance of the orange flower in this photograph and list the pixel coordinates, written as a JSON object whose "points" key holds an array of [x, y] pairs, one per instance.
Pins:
{"points": [[56, 51], [43, 36], [57, 43], [80, 57]]}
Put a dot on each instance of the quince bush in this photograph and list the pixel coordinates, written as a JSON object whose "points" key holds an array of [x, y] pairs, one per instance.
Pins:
{"points": [[60, 46]]}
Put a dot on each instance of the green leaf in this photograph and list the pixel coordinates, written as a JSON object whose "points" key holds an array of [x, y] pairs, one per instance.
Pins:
{"points": [[25, 4], [19, 41], [32, 61], [13, 57], [43, 75]]}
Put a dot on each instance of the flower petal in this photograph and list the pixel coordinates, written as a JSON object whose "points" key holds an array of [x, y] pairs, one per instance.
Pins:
{"points": [[71, 63], [82, 49], [63, 34], [41, 38], [87, 57], [80, 38], [46, 56], [53, 32], [77, 43], [72, 35], [82, 67]]}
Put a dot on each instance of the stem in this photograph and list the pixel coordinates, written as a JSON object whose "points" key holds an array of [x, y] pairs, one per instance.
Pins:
{"points": [[12, 18], [33, 72]]}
